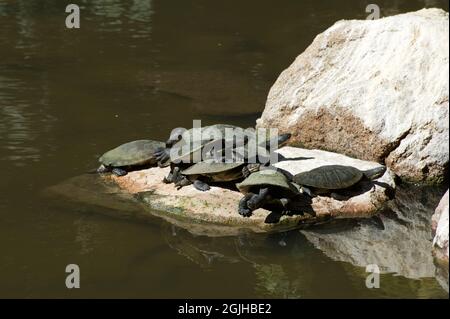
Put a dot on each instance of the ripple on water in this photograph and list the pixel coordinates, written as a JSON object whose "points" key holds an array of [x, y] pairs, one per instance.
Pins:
{"points": [[22, 120]]}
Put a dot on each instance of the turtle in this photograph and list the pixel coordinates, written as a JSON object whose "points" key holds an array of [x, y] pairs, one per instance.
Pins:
{"points": [[329, 178], [185, 148], [180, 136], [202, 173], [129, 156], [222, 169], [182, 157], [267, 186]]}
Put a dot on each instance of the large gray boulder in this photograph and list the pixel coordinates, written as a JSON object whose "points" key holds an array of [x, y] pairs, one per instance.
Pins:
{"points": [[376, 90]]}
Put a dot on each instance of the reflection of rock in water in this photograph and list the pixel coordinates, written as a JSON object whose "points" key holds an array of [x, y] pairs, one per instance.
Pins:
{"points": [[272, 281], [216, 96], [283, 268], [442, 276], [200, 250], [403, 247], [84, 235], [91, 194], [275, 267]]}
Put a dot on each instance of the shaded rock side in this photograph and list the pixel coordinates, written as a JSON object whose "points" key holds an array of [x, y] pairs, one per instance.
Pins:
{"points": [[440, 226], [398, 242]]}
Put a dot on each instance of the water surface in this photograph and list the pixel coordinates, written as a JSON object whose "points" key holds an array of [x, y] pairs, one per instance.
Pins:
{"points": [[136, 69]]}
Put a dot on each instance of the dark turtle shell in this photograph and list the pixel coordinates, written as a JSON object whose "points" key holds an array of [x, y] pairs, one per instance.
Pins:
{"points": [[134, 153], [216, 171], [193, 143], [267, 178], [210, 167], [330, 177]]}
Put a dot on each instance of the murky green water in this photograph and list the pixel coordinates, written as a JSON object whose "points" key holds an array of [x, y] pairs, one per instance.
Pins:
{"points": [[136, 69]]}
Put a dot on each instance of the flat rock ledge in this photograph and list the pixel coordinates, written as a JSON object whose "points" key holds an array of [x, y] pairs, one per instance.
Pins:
{"points": [[214, 213]]}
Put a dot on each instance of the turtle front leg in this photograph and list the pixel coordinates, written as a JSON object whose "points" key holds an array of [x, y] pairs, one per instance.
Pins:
{"points": [[172, 176], [181, 182], [119, 171], [286, 203], [308, 192], [168, 179], [103, 169], [243, 209], [259, 200]]}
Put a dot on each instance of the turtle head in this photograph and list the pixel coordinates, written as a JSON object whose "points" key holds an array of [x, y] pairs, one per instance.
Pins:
{"points": [[283, 139], [175, 136], [375, 173]]}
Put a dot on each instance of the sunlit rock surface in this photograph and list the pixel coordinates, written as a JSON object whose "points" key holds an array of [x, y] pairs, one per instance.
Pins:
{"points": [[368, 198], [376, 90]]}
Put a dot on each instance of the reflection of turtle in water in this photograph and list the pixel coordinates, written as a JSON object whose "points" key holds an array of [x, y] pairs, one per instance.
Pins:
{"points": [[329, 178], [266, 187], [202, 173], [129, 156], [196, 249]]}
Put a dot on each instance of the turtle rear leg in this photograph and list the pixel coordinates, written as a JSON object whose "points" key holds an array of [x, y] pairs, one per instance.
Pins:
{"points": [[198, 185], [259, 200], [338, 196], [285, 202], [201, 186], [247, 170], [119, 171]]}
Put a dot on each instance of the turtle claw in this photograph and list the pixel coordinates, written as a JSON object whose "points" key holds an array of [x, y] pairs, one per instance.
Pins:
{"points": [[243, 209], [161, 155], [244, 212]]}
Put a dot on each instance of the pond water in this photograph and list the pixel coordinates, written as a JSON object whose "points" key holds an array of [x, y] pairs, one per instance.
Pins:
{"points": [[136, 69]]}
